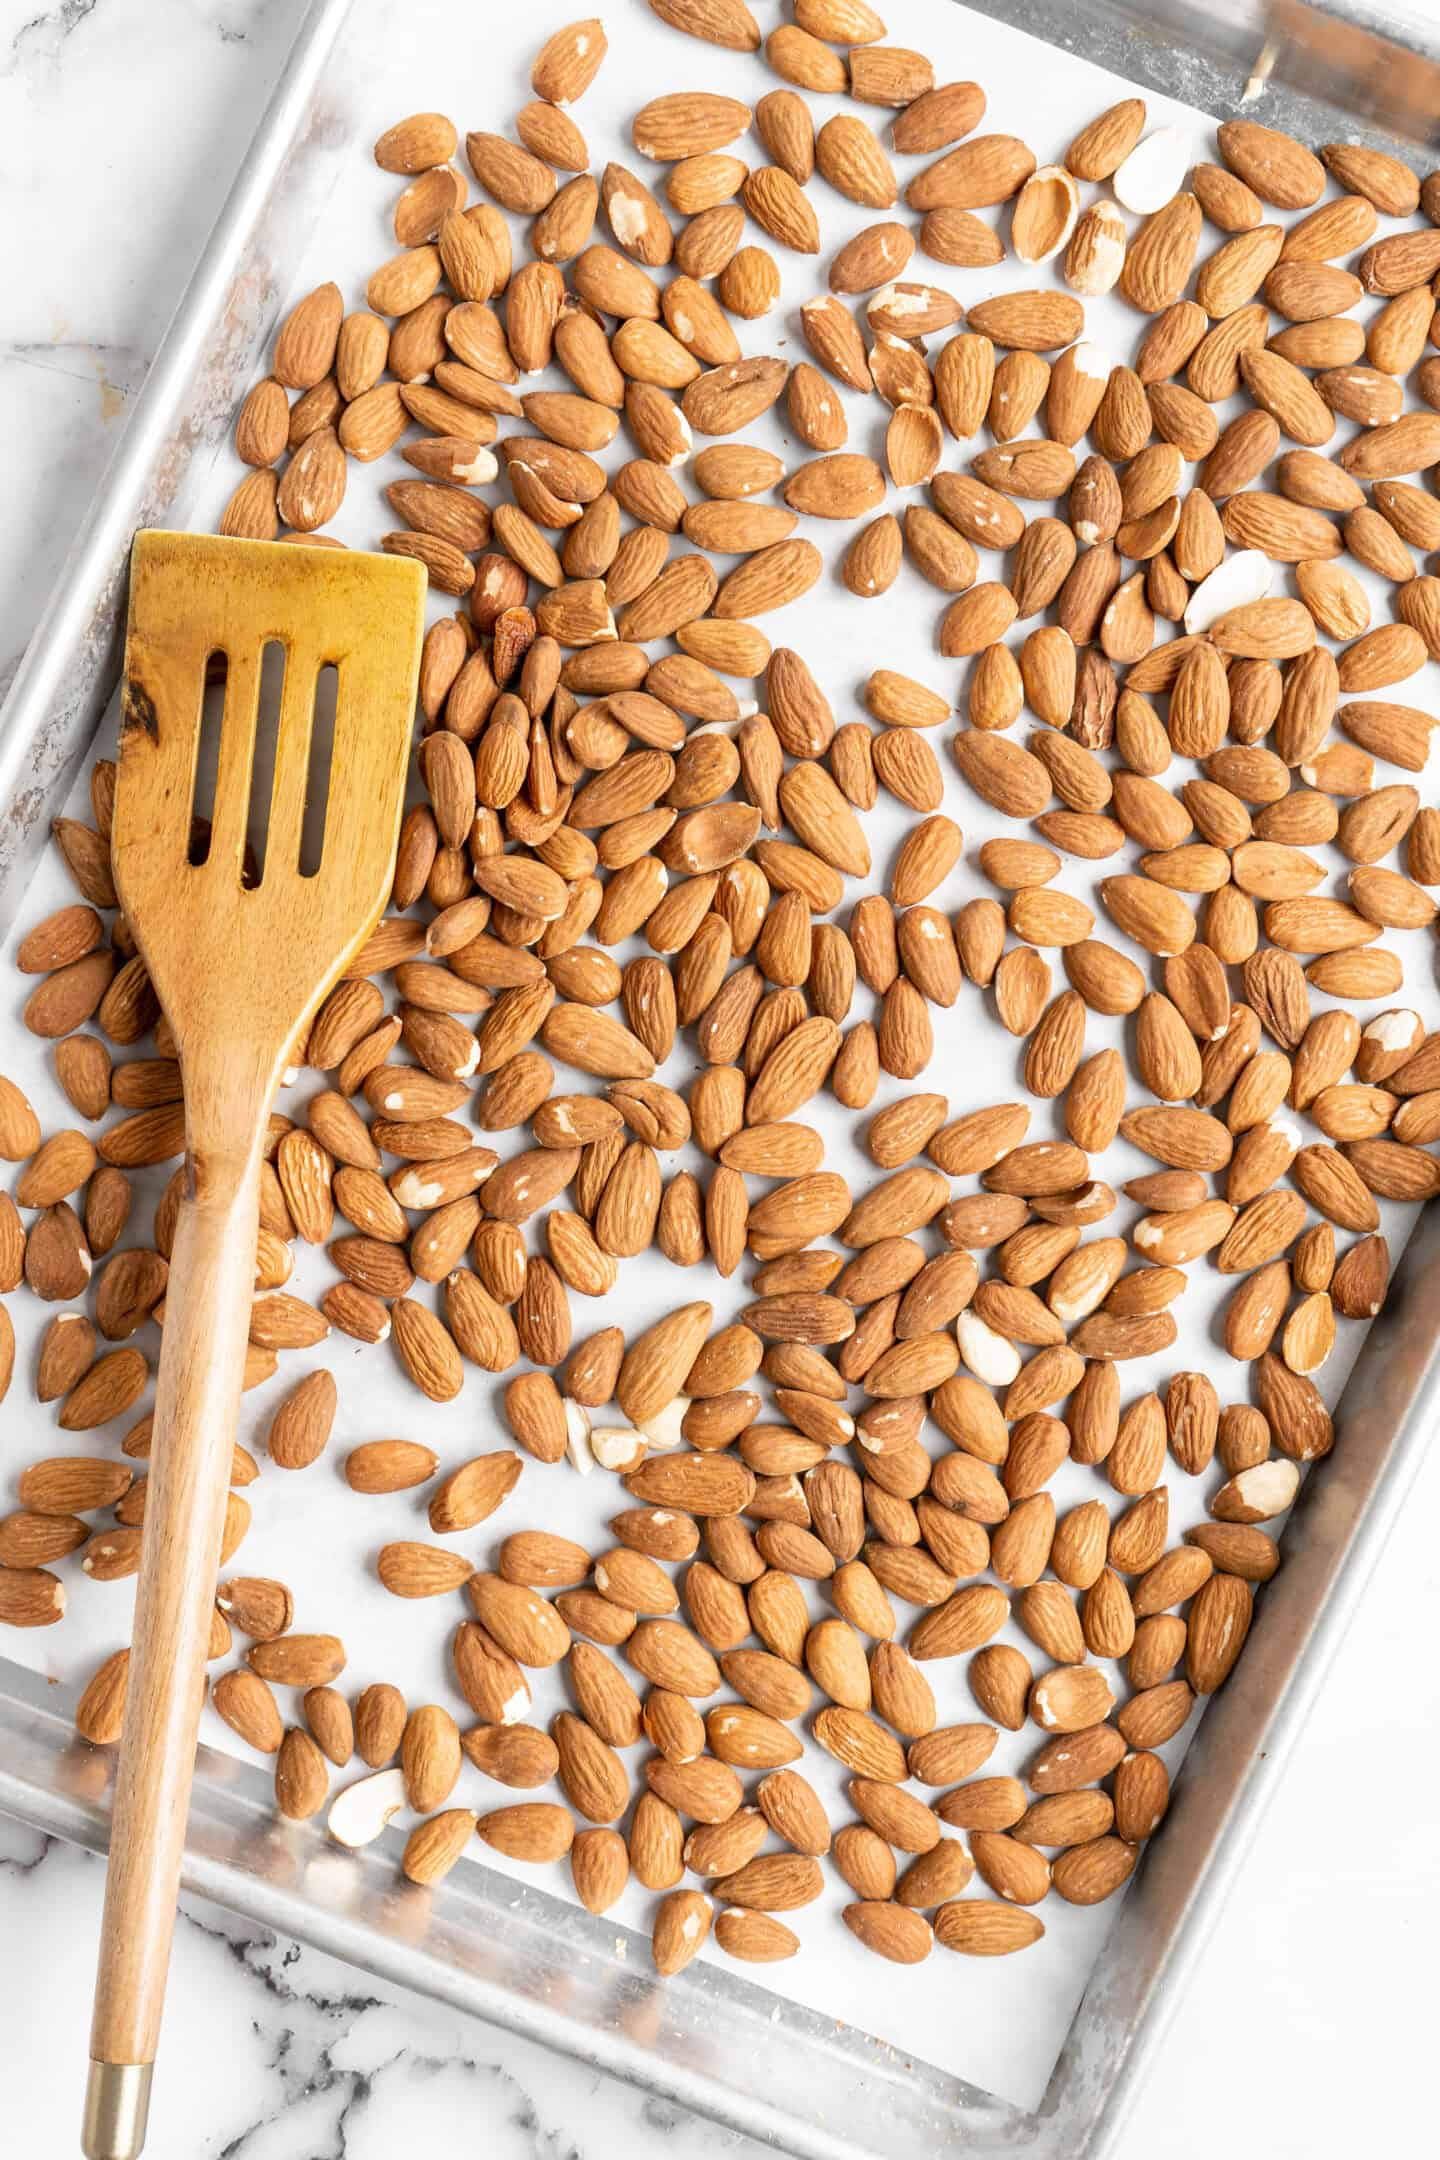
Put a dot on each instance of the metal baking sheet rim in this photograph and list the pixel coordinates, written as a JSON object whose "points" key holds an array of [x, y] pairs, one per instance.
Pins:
{"points": [[523, 1959]]}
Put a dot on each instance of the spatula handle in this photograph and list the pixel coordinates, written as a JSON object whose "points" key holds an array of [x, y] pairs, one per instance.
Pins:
{"points": [[207, 1318]]}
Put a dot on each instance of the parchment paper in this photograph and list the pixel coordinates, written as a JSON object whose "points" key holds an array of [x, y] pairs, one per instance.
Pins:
{"points": [[997, 2022]]}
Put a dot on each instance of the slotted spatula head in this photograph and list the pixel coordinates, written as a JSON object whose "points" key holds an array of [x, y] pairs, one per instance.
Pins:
{"points": [[237, 956]]}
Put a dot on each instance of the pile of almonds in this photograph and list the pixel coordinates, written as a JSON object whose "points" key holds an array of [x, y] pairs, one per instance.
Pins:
{"points": [[938, 1345]]}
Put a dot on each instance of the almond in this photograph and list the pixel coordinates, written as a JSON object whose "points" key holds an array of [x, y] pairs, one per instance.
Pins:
{"points": [[1279, 169], [976, 1927], [1159, 258], [530, 1830], [988, 169], [892, 1931]]}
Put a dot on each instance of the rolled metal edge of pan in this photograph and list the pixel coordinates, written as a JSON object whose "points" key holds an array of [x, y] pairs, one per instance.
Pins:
{"points": [[209, 350]]}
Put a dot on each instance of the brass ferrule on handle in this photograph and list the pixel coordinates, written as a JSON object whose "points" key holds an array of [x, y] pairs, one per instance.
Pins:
{"points": [[117, 2107]]}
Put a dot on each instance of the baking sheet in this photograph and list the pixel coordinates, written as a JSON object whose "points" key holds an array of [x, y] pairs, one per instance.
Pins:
{"points": [[999, 2024]]}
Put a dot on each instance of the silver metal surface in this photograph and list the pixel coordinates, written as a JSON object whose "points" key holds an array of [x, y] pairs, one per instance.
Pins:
{"points": [[1323, 69], [515, 1956], [202, 369]]}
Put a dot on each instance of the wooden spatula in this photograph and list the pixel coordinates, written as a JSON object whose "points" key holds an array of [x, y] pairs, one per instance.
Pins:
{"points": [[241, 954]]}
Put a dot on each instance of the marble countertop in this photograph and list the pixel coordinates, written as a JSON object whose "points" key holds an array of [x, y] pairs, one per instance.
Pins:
{"points": [[121, 122]]}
